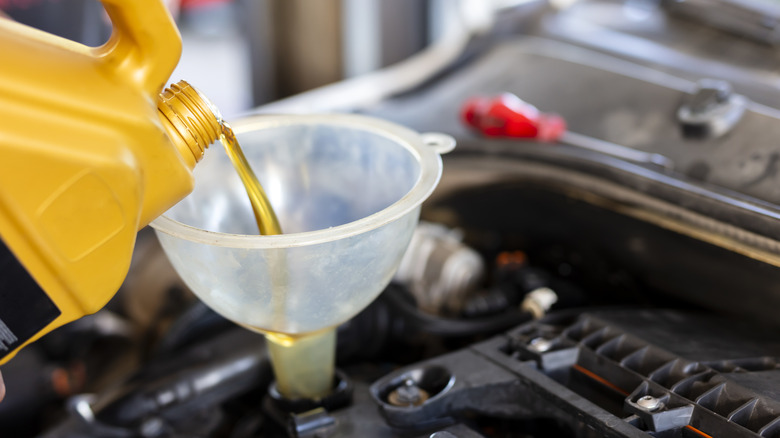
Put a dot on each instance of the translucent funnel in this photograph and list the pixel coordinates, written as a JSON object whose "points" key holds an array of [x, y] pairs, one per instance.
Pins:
{"points": [[347, 190]]}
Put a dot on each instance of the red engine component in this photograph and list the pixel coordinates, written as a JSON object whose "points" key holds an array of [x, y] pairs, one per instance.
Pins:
{"points": [[506, 115]]}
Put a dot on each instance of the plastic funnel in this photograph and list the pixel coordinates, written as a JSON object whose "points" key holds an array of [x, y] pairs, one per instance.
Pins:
{"points": [[347, 190]]}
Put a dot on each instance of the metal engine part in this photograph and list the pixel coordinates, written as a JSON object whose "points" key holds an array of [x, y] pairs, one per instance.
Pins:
{"points": [[712, 111], [440, 271]]}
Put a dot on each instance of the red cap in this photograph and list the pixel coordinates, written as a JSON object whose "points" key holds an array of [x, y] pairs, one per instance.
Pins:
{"points": [[507, 115]]}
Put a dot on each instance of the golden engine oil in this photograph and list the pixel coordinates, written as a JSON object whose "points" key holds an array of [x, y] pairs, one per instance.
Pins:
{"points": [[91, 152]]}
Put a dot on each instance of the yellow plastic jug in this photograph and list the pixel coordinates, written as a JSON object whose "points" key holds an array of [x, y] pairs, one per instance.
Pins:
{"points": [[90, 152]]}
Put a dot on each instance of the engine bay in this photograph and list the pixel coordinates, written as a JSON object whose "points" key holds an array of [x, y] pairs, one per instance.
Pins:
{"points": [[621, 281]]}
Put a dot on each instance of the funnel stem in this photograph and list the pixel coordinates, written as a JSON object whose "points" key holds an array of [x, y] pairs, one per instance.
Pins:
{"points": [[303, 365]]}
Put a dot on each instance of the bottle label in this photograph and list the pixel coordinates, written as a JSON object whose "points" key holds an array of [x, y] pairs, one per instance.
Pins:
{"points": [[25, 309]]}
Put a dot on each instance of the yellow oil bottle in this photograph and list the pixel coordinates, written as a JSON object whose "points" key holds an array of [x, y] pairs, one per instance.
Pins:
{"points": [[90, 152]]}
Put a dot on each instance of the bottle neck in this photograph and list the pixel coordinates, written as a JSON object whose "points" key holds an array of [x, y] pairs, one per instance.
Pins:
{"points": [[191, 121]]}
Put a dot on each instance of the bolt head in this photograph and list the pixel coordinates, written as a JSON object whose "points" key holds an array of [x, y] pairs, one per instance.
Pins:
{"points": [[649, 402], [408, 394], [540, 345], [152, 427]]}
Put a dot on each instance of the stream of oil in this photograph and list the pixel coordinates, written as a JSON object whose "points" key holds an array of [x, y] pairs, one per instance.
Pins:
{"points": [[302, 363], [267, 222]]}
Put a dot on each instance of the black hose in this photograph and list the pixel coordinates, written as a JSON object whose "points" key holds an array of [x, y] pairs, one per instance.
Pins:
{"points": [[398, 299], [196, 323], [224, 367]]}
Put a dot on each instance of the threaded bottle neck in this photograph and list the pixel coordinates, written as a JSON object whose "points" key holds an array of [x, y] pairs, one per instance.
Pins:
{"points": [[192, 122]]}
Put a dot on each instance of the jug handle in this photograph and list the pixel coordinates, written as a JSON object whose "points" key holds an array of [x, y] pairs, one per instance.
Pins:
{"points": [[145, 44]]}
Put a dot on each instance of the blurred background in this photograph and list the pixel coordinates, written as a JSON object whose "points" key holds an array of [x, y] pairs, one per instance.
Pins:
{"points": [[244, 53]]}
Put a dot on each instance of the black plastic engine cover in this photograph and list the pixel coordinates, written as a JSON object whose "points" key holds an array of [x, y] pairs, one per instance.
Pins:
{"points": [[620, 373]]}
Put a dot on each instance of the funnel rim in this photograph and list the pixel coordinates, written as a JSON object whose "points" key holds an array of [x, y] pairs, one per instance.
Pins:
{"points": [[430, 174]]}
